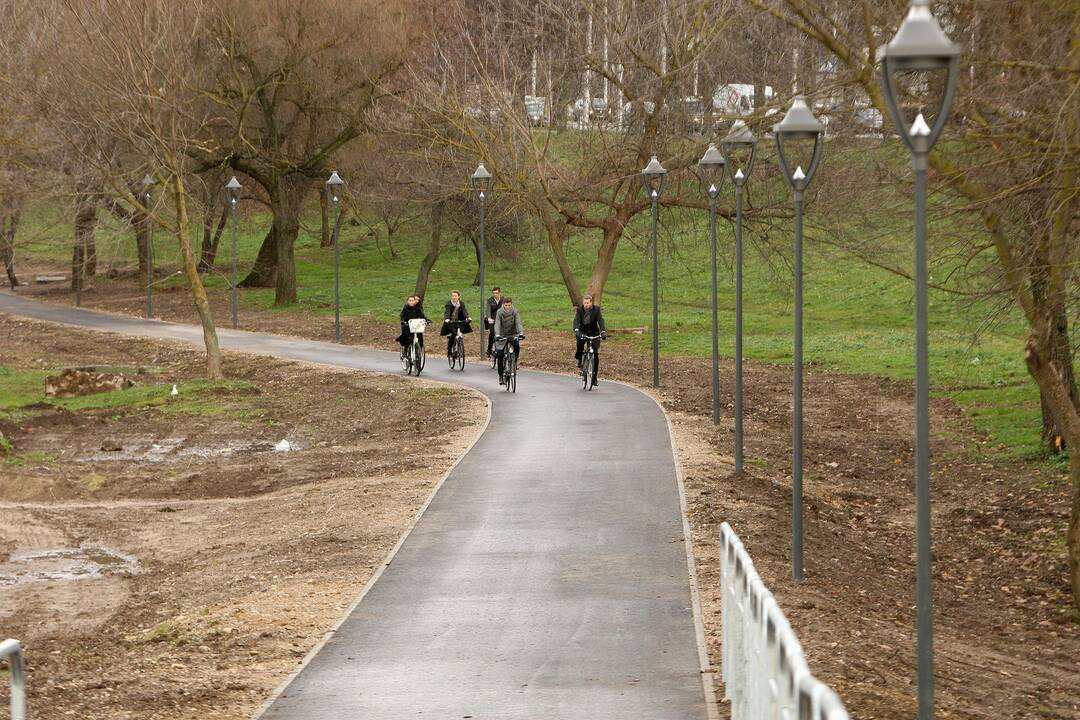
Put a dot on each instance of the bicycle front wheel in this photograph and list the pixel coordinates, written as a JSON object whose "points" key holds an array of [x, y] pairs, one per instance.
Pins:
{"points": [[419, 359], [511, 380]]}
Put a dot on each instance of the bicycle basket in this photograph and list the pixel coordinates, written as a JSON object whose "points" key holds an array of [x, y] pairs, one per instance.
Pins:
{"points": [[417, 325]]}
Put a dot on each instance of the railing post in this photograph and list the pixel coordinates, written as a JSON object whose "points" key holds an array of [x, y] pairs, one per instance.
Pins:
{"points": [[11, 650]]}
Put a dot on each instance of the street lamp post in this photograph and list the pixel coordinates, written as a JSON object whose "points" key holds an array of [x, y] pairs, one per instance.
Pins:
{"points": [[335, 187], [799, 125], [740, 140], [711, 173], [481, 185], [652, 178], [921, 46], [146, 197], [232, 190]]}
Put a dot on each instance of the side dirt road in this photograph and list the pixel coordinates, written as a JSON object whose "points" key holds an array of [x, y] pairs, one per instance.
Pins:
{"points": [[1007, 639], [171, 556]]}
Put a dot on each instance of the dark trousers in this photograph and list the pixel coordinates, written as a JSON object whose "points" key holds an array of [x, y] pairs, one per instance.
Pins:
{"points": [[581, 350], [491, 338], [500, 355], [405, 338]]}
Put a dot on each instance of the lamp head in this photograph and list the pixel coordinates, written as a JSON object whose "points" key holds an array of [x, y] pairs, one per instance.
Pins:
{"points": [[652, 178]]}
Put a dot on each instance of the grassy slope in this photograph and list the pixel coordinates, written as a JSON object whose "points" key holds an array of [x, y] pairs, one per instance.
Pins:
{"points": [[858, 318]]}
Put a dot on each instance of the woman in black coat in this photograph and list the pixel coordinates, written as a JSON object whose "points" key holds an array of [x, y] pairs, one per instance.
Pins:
{"points": [[412, 311], [454, 312]]}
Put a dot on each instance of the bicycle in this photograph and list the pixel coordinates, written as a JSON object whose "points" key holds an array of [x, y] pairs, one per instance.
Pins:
{"points": [[455, 355], [509, 369], [412, 355], [590, 360], [491, 356]]}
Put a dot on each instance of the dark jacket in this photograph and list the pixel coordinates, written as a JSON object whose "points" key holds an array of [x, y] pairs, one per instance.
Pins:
{"points": [[493, 306], [452, 313], [412, 313], [589, 322]]}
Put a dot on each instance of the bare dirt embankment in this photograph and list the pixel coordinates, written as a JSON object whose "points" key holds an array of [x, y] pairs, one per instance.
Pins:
{"points": [[1007, 639], [211, 557]]}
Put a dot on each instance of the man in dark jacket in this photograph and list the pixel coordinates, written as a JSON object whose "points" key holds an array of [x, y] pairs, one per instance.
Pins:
{"points": [[454, 316], [588, 320], [507, 326], [494, 303], [412, 311]]}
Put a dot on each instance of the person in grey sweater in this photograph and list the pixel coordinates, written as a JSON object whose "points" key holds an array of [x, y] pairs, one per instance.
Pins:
{"points": [[508, 327]]}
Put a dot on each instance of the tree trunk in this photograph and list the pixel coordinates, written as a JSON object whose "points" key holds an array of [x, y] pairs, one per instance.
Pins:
{"points": [[558, 234], [211, 242], [264, 272], [1060, 397], [613, 232], [286, 200], [7, 245], [434, 247], [83, 262], [327, 238], [198, 292], [476, 249]]}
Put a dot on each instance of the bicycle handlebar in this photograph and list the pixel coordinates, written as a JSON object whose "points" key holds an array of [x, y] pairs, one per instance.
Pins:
{"points": [[592, 337]]}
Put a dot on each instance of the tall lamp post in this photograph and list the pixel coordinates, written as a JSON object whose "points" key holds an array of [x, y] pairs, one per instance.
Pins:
{"points": [[146, 198], [739, 144], [798, 126], [335, 187], [652, 179], [921, 46], [232, 190], [711, 173], [481, 185]]}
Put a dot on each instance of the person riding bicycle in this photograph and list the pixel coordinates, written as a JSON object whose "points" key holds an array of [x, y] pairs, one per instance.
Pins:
{"points": [[412, 311], [454, 316], [494, 304], [508, 328], [588, 321]]}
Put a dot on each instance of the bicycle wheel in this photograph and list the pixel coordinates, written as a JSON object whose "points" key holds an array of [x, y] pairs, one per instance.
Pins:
{"points": [[586, 364], [419, 358], [511, 381], [406, 363], [459, 351], [451, 355]]}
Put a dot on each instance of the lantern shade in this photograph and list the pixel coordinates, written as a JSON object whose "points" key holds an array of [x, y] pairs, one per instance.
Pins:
{"points": [[799, 123], [710, 169], [147, 187], [233, 188], [481, 180], [739, 138], [335, 187], [920, 43], [653, 178]]}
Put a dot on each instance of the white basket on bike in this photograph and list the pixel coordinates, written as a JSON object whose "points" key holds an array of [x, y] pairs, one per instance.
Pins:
{"points": [[417, 325]]}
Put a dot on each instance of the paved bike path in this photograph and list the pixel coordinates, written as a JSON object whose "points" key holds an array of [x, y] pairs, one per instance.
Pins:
{"points": [[546, 579]]}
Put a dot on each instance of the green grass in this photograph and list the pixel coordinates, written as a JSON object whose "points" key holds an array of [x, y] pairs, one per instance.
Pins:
{"points": [[22, 388], [858, 318]]}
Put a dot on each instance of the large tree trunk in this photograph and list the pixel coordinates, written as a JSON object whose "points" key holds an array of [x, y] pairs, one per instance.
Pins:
{"points": [[327, 238], [198, 292], [1060, 397], [558, 233], [83, 260], [212, 238], [613, 232], [7, 245], [264, 272], [434, 248], [286, 201]]}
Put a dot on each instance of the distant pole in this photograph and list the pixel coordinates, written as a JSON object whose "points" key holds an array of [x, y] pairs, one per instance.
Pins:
{"points": [[335, 189], [147, 199], [481, 181], [711, 170], [653, 182]]}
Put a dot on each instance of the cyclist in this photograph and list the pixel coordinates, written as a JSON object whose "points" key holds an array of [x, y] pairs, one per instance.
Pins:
{"points": [[412, 311], [588, 320], [454, 312], [494, 303], [508, 327]]}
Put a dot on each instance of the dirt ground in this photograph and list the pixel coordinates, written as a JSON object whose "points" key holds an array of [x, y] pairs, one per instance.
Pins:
{"points": [[222, 561], [1007, 640]]}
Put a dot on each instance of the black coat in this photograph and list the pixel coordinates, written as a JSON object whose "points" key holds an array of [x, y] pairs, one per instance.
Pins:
{"points": [[463, 314], [493, 306], [409, 313], [589, 323]]}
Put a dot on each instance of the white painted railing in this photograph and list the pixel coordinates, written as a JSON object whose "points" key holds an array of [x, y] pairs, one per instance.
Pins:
{"points": [[764, 672], [11, 650]]}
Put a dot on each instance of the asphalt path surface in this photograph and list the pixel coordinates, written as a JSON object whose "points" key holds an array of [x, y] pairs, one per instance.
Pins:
{"points": [[547, 578]]}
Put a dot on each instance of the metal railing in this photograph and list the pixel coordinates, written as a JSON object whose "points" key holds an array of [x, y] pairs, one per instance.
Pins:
{"points": [[11, 650], [762, 665]]}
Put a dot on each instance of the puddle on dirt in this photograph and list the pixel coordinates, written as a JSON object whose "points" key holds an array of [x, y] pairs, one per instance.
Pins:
{"points": [[170, 450], [65, 564]]}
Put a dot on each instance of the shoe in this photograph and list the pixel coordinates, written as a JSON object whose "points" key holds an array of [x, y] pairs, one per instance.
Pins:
{"points": [[501, 381], [579, 363]]}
